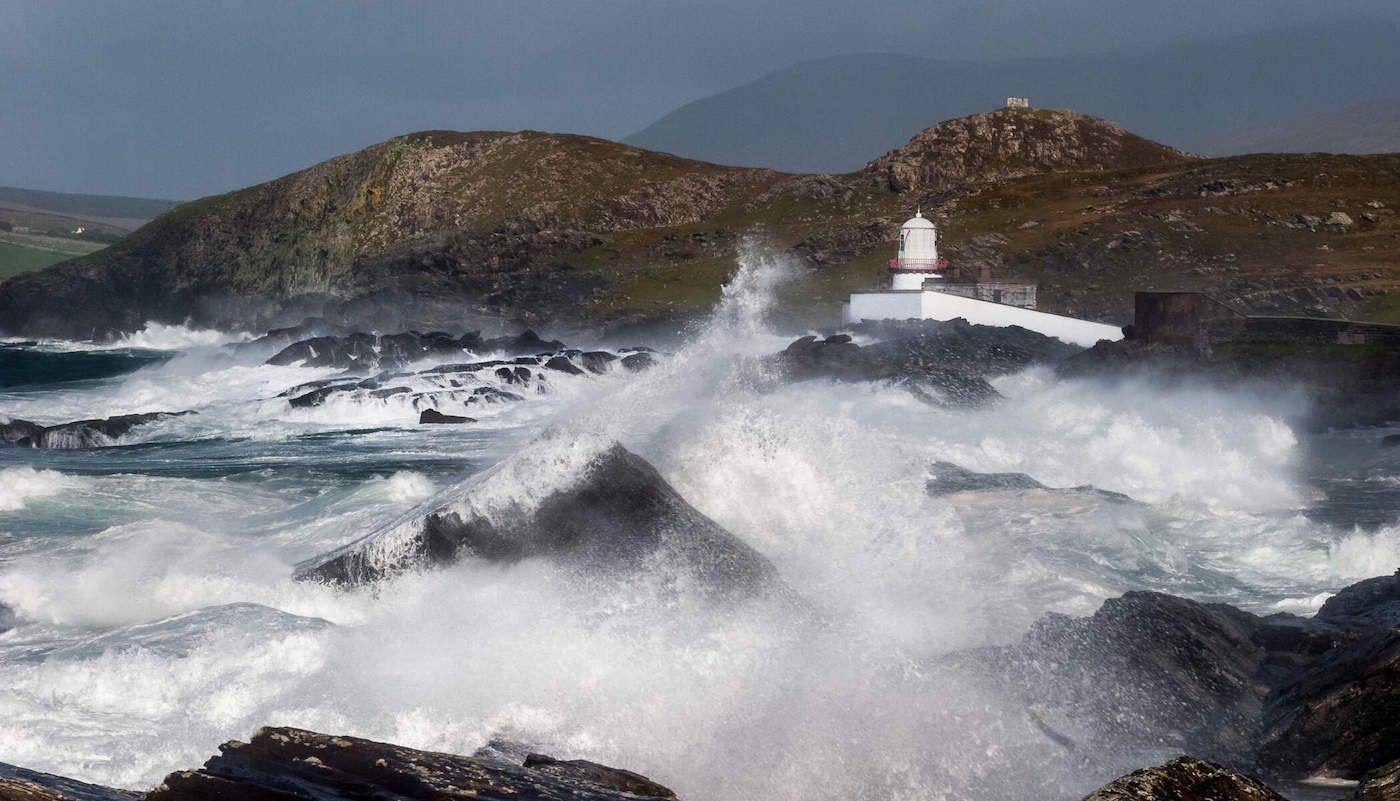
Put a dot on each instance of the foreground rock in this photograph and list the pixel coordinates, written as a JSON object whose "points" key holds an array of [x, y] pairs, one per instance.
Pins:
{"points": [[20, 784], [78, 434], [1382, 784], [295, 764], [617, 515], [1294, 697], [946, 361], [1185, 779]]}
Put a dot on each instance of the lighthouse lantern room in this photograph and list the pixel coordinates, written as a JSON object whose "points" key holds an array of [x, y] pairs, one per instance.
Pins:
{"points": [[918, 260]]}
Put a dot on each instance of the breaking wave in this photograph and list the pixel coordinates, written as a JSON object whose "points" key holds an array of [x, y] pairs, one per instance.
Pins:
{"points": [[158, 617]]}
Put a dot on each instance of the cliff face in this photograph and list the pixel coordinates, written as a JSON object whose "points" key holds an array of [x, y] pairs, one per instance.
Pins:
{"points": [[461, 230]]}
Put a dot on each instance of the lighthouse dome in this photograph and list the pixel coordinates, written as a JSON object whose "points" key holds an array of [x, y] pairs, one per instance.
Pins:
{"points": [[918, 244], [917, 221]]}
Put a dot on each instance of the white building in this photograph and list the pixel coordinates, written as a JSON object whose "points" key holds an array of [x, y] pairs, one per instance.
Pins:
{"points": [[921, 288]]}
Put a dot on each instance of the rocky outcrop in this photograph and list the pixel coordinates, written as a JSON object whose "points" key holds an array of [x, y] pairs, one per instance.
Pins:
{"points": [[455, 387], [1185, 779], [362, 352], [1374, 602], [20, 784], [435, 417], [1381, 784], [946, 362], [946, 478], [1010, 143], [285, 764], [78, 434], [1340, 716], [1294, 697], [616, 516]]}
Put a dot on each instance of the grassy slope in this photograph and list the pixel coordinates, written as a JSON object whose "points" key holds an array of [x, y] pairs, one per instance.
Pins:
{"points": [[16, 259]]}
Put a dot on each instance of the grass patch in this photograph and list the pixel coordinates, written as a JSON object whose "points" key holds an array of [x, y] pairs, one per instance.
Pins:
{"points": [[16, 259]]}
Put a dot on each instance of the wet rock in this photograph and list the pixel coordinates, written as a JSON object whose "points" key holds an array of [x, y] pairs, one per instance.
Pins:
{"points": [[21, 784], [1185, 779], [365, 352], [1374, 602], [1381, 784], [563, 365], [96, 433], [437, 417], [15, 431], [1340, 716], [637, 362], [618, 516], [482, 395], [1149, 669], [947, 478], [8, 618], [285, 763], [1390, 441], [597, 361], [593, 773], [943, 362]]}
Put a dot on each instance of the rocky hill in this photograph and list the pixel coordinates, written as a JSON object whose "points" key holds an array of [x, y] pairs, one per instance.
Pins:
{"points": [[454, 230], [989, 148]]}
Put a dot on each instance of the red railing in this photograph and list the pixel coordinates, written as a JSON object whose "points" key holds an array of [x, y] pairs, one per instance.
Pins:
{"points": [[919, 265]]}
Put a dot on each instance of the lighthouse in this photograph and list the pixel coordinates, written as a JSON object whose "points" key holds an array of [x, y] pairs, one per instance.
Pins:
{"points": [[924, 287], [918, 260]]}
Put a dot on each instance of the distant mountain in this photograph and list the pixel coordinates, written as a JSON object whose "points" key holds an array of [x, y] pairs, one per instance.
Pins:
{"points": [[442, 230], [834, 114], [116, 207], [1372, 126]]}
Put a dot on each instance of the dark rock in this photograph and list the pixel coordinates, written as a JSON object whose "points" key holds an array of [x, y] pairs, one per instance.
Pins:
{"points": [[1390, 441], [948, 478], [1185, 779], [285, 763], [21, 784], [15, 431], [8, 618], [946, 362], [362, 352], [1149, 669], [435, 416], [1381, 784], [637, 362], [593, 773], [618, 516], [1374, 602], [491, 395], [80, 433], [1340, 716], [563, 365], [597, 361], [526, 342]]}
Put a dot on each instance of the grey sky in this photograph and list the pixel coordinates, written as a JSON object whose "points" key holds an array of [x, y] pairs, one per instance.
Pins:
{"points": [[180, 99]]}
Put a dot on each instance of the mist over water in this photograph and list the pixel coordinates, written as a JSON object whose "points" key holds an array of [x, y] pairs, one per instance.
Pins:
{"points": [[157, 616]]}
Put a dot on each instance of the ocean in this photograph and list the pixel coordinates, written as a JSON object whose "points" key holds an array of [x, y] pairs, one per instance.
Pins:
{"points": [[153, 614]]}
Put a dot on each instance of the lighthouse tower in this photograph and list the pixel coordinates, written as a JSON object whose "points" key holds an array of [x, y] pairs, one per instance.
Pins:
{"points": [[918, 255]]}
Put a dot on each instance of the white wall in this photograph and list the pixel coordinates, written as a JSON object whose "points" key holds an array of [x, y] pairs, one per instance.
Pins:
{"points": [[884, 306], [940, 306]]}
